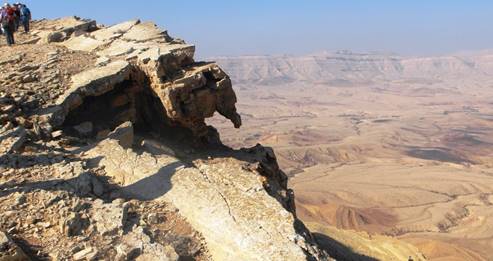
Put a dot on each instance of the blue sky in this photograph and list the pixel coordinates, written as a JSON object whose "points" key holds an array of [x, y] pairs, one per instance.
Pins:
{"points": [[234, 27]]}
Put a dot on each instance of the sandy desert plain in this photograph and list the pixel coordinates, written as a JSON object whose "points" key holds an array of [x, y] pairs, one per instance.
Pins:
{"points": [[390, 145]]}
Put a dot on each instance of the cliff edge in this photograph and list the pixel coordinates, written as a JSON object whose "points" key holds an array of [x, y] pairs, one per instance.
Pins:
{"points": [[105, 154]]}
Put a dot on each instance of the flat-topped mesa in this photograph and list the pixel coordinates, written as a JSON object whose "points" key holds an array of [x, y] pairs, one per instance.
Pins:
{"points": [[147, 72]]}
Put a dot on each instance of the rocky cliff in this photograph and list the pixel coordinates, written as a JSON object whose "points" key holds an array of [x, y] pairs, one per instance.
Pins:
{"points": [[105, 154]]}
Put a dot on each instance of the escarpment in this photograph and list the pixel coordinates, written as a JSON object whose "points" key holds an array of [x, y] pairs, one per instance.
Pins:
{"points": [[106, 154]]}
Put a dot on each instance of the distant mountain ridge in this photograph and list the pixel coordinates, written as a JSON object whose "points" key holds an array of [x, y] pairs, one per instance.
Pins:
{"points": [[345, 67]]}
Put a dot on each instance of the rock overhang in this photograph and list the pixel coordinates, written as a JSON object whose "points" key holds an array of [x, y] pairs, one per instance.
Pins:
{"points": [[189, 91]]}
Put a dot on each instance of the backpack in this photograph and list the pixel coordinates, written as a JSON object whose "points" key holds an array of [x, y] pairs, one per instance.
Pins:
{"points": [[10, 15]]}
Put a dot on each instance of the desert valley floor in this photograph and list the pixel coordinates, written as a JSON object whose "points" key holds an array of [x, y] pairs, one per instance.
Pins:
{"points": [[404, 156]]}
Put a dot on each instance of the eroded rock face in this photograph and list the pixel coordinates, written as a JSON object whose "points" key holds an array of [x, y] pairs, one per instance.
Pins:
{"points": [[189, 92], [74, 165], [93, 82]]}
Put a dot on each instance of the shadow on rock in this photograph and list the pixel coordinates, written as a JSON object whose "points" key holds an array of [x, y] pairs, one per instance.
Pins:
{"points": [[338, 250], [152, 187], [88, 184]]}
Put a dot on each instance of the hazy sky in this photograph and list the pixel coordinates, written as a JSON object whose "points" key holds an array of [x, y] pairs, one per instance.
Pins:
{"points": [[234, 27]]}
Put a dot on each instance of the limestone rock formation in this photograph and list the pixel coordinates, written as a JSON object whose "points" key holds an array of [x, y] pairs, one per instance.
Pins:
{"points": [[106, 154]]}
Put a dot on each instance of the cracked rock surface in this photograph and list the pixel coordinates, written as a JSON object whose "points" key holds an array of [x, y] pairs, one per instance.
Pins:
{"points": [[105, 154]]}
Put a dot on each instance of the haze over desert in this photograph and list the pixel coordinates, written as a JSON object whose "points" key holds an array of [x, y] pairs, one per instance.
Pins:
{"points": [[398, 146]]}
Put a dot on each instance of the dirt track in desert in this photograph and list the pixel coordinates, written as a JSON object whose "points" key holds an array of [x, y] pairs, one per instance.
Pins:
{"points": [[405, 158]]}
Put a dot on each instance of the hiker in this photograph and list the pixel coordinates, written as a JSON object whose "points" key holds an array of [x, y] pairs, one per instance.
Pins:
{"points": [[1, 29], [7, 19], [17, 11], [25, 17]]}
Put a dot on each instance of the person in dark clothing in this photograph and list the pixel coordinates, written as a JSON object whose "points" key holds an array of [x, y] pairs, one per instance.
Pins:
{"points": [[25, 17], [1, 14], [17, 11], [7, 20]]}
